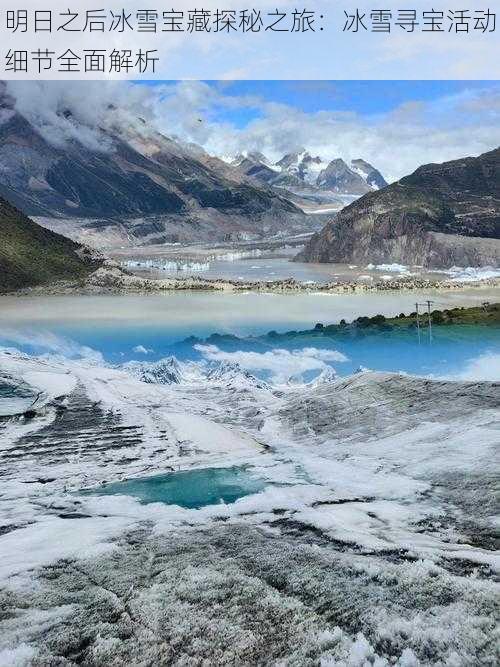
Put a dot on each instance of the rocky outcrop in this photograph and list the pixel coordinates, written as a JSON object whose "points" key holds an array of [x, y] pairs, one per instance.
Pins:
{"points": [[441, 215]]}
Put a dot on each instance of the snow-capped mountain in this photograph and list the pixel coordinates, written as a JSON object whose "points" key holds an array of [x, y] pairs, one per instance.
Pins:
{"points": [[256, 165], [368, 173], [233, 375], [302, 165], [304, 174], [340, 178], [164, 371]]}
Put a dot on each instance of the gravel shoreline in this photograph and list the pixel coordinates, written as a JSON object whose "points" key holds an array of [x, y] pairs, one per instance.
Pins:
{"points": [[111, 279]]}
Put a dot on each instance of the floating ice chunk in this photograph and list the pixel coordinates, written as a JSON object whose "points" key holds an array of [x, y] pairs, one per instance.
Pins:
{"points": [[236, 255], [472, 274], [166, 265], [392, 268]]}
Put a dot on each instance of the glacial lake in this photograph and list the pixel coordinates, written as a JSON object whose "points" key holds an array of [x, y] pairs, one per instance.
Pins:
{"points": [[268, 269], [240, 264], [191, 488]]}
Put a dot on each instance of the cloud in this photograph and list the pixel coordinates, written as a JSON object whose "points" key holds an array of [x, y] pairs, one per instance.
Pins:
{"points": [[396, 142], [140, 349], [279, 363], [43, 341], [65, 111], [483, 368]]}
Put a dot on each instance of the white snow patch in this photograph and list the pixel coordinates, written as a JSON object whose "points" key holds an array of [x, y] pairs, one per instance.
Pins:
{"points": [[20, 656], [208, 436], [52, 538], [53, 385]]}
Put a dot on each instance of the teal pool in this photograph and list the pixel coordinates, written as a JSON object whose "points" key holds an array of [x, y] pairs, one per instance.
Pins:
{"points": [[191, 488]]}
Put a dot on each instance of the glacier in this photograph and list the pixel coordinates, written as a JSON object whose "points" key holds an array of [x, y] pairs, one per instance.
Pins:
{"points": [[372, 542]]}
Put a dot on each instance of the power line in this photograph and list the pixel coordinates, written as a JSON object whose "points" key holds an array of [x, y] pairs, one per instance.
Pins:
{"points": [[427, 303]]}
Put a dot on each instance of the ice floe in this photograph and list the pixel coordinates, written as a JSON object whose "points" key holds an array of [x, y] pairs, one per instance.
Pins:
{"points": [[472, 274]]}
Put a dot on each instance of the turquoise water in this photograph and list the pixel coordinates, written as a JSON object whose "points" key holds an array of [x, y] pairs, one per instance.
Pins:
{"points": [[451, 349], [191, 489], [149, 328]]}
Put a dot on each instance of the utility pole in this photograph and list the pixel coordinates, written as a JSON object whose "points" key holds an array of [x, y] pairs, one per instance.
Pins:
{"points": [[418, 323], [429, 303], [429, 320]]}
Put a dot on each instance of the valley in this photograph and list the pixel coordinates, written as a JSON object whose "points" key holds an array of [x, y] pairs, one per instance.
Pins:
{"points": [[249, 388]]}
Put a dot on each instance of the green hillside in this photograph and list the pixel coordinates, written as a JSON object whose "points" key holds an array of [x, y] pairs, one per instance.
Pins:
{"points": [[31, 255]]}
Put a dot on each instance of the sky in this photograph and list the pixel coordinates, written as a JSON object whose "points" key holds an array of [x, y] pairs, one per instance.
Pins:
{"points": [[363, 97], [395, 125]]}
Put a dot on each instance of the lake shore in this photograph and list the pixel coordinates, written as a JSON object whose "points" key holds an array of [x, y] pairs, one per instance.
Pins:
{"points": [[113, 279]]}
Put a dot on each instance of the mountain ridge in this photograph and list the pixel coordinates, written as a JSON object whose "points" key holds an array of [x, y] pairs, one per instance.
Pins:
{"points": [[299, 169], [167, 190], [442, 214]]}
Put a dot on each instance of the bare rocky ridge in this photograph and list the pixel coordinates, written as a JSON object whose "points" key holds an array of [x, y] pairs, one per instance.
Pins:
{"points": [[439, 216]]}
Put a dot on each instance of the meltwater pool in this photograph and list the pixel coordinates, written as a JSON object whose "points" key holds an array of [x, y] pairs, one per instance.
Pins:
{"points": [[191, 488]]}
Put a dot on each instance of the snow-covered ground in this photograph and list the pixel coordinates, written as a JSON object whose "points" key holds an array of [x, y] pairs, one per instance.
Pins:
{"points": [[372, 542]]}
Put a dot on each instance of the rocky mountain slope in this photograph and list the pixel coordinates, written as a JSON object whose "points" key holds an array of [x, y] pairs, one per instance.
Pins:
{"points": [[31, 255], [302, 174], [124, 183], [439, 216]]}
